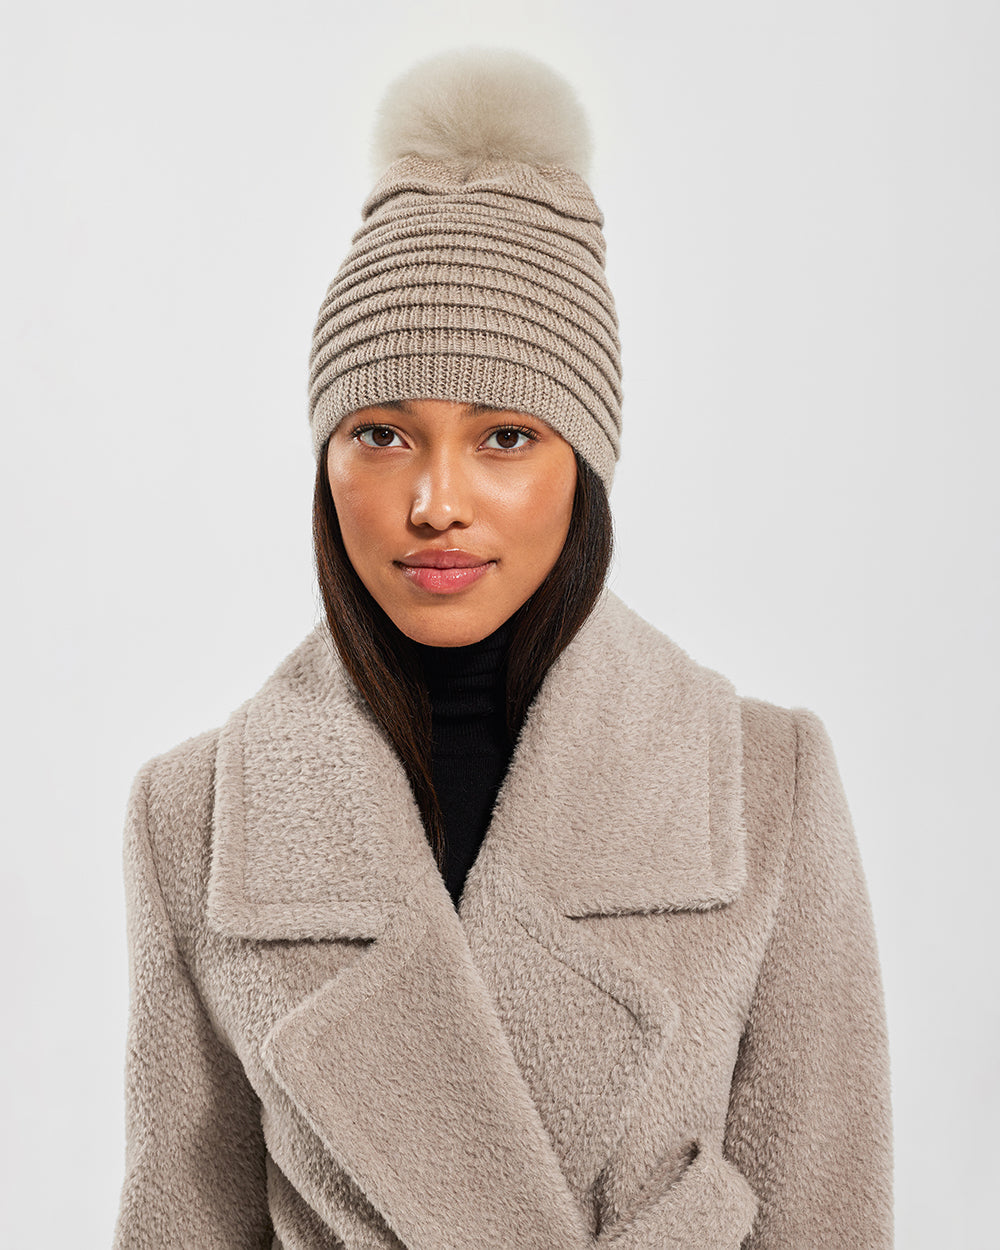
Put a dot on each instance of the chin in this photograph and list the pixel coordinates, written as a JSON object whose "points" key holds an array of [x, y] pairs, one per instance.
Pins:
{"points": [[443, 629]]}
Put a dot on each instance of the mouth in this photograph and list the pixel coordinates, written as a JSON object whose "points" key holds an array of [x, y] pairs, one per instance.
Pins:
{"points": [[443, 572]]}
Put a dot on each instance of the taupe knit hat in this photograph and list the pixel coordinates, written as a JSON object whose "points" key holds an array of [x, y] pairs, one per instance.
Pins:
{"points": [[478, 274]]}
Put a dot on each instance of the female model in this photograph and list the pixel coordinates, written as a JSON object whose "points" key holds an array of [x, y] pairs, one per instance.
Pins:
{"points": [[493, 920]]}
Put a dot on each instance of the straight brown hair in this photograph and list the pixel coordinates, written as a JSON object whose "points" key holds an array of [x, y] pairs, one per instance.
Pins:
{"points": [[382, 660]]}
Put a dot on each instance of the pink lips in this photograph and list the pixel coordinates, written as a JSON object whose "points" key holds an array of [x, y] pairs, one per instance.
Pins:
{"points": [[444, 572]]}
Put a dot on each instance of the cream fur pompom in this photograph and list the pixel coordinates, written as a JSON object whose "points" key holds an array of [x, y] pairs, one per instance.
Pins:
{"points": [[475, 103]]}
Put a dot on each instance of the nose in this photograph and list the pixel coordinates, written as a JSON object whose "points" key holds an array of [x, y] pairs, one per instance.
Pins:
{"points": [[442, 493]]}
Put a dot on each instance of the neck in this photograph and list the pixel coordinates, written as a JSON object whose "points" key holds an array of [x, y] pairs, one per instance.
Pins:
{"points": [[467, 687], [441, 664]]}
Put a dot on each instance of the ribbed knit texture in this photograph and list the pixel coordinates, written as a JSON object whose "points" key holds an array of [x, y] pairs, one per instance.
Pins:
{"points": [[479, 286], [471, 751]]}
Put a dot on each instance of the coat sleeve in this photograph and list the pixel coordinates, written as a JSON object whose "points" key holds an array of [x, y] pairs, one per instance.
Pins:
{"points": [[194, 1151], [809, 1119]]}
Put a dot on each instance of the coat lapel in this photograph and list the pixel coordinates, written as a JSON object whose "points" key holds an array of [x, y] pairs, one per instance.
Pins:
{"points": [[473, 1070]]}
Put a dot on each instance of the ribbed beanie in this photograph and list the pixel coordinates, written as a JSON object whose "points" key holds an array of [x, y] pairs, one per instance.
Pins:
{"points": [[478, 273]]}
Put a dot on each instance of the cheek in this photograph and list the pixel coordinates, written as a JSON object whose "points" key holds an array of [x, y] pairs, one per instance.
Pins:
{"points": [[352, 502], [540, 516], [362, 512]]}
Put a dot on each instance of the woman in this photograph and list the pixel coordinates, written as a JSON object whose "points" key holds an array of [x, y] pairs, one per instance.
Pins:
{"points": [[493, 919]]}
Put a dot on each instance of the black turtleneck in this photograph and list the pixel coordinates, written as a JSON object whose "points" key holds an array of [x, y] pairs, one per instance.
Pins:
{"points": [[471, 751]]}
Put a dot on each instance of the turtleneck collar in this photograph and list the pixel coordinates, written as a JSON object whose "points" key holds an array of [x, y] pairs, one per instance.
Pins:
{"points": [[467, 687]]}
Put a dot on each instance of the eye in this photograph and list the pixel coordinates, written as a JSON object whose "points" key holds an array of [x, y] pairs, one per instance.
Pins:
{"points": [[507, 438], [375, 435]]}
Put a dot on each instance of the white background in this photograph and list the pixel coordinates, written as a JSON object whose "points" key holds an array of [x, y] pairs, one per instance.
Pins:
{"points": [[801, 208]]}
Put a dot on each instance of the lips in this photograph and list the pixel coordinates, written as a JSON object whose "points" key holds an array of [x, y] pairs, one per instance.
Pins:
{"points": [[434, 558], [444, 572]]}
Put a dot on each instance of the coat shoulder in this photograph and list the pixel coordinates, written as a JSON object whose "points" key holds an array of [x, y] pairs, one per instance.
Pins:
{"points": [[769, 765], [772, 734], [787, 743], [769, 729], [180, 780], [794, 798], [179, 795], [178, 785]]}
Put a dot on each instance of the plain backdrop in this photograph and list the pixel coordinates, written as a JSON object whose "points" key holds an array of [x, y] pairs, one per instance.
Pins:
{"points": [[801, 207]]}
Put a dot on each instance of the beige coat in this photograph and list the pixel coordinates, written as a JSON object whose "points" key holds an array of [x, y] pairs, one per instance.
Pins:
{"points": [[655, 1019]]}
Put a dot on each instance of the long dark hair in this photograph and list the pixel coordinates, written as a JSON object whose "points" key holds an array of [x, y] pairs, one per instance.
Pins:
{"points": [[383, 662]]}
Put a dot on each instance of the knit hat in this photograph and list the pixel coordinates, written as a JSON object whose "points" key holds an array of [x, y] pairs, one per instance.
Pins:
{"points": [[478, 274]]}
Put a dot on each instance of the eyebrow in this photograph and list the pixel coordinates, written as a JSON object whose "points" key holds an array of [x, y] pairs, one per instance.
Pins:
{"points": [[471, 410]]}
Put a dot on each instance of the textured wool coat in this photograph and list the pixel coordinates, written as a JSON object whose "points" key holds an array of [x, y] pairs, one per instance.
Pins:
{"points": [[654, 1020]]}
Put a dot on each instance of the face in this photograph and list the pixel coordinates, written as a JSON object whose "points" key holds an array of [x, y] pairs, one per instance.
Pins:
{"points": [[452, 515]]}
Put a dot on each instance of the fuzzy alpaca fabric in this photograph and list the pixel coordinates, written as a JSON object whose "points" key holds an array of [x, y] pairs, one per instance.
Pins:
{"points": [[655, 1018]]}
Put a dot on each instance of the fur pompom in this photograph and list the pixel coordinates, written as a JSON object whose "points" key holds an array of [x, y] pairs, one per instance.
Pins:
{"points": [[474, 103]]}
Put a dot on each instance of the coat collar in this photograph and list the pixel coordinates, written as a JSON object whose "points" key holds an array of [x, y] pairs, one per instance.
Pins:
{"points": [[468, 1109], [623, 794]]}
